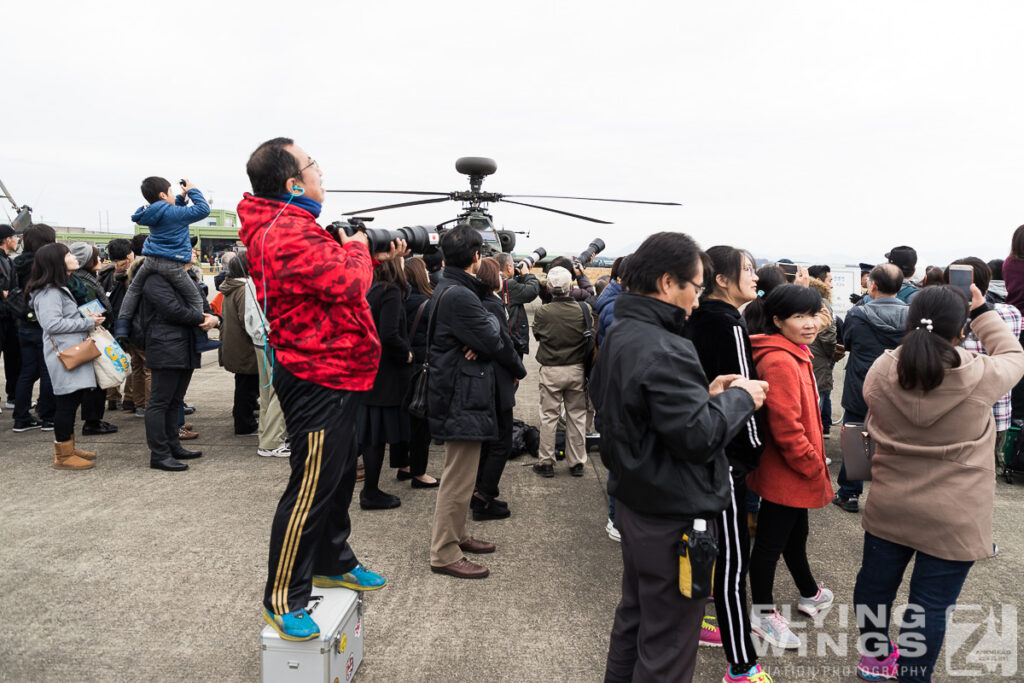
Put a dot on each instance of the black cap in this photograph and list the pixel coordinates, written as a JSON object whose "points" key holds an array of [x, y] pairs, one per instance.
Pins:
{"points": [[7, 231], [865, 268], [904, 257]]}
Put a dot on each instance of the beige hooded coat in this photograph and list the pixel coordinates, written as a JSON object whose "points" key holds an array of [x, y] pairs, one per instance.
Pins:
{"points": [[933, 478]]}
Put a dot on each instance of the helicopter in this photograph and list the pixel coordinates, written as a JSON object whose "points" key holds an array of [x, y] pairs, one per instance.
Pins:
{"points": [[475, 200], [23, 219]]}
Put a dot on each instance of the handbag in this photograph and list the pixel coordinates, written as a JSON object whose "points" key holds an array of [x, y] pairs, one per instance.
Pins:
{"points": [[858, 448], [76, 355], [419, 389], [112, 365]]}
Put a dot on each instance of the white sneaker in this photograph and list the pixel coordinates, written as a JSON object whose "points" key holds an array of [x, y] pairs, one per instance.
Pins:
{"points": [[612, 532], [819, 603], [10, 406], [774, 630], [280, 452], [828, 460]]}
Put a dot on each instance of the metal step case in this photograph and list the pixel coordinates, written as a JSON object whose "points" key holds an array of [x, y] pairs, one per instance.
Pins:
{"points": [[333, 657]]}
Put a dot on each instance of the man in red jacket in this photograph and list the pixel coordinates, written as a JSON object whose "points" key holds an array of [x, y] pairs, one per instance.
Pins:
{"points": [[325, 349]]}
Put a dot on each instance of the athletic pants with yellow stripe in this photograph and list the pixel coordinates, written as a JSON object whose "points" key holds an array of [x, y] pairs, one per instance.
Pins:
{"points": [[311, 525]]}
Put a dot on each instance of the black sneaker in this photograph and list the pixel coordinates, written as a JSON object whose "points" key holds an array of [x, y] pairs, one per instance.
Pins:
{"points": [[98, 428], [484, 510], [546, 471], [848, 504], [576, 470], [189, 409], [27, 425], [47, 425]]}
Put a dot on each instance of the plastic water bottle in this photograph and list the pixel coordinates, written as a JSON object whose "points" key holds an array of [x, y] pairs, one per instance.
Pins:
{"points": [[698, 551]]}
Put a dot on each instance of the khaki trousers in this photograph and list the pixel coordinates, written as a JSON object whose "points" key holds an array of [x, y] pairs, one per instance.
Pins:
{"points": [[461, 460], [139, 379], [272, 425], [563, 384]]}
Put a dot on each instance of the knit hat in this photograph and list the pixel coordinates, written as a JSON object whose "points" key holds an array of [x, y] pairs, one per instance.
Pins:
{"points": [[82, 252], [559, 280]]}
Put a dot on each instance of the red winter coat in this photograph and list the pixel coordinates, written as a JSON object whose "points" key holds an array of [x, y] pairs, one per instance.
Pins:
{"points": [[792, 470], [314, 293]]}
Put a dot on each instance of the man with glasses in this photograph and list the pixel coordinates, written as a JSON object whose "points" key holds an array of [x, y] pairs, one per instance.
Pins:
{"points": [[312, 289], [664, 428], [564, 330]]}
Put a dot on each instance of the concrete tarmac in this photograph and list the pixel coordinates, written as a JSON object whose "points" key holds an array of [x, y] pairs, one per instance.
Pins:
{"points": [[123, 573]]}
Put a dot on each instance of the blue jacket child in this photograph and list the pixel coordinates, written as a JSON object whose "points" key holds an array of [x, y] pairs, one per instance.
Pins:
{"points": [[168, 225]]}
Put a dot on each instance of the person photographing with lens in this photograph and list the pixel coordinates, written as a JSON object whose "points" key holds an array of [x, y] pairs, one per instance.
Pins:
{"points": [[312, 286]]}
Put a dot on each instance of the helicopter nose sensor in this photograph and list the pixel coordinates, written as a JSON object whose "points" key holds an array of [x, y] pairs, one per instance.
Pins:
{"points": [[478, 166]]}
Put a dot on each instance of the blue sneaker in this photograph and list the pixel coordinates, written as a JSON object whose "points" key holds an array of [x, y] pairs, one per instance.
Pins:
{"points": [[359, 579], [297, 625]]}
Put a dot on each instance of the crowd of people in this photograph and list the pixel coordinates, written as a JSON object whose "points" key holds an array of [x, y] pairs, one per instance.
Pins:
{"points": [[707, 378]]}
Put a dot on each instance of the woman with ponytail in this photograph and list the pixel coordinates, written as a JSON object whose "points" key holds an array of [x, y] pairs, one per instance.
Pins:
{"points": [[719, 334], [932, 491]]}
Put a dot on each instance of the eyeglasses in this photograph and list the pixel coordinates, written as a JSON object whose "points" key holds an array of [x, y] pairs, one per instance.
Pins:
{"points": [[312, 162], [749, 269], [699, 288]]}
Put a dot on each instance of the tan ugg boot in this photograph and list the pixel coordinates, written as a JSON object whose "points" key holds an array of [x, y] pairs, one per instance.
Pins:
{"points": [[85, 455], [64, 457]]}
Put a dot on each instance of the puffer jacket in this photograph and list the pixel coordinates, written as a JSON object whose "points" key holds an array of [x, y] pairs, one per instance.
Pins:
{"points": [[792, 470], [868, 331], [662, 436], [168, 226], [605, 307], [236, 353], [62, 324], [313, 292], [933, 477], [462, 398], [169, 324]]}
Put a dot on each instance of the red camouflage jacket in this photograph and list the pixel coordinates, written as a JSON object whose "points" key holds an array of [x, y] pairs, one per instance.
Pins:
{"points": [[314, 293]]}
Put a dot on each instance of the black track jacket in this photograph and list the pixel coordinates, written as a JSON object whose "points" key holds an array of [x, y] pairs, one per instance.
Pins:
{"points": [[662, 437]]}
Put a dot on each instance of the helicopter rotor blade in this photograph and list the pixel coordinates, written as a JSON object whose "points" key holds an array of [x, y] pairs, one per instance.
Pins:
{"points": [[396, 206], [391, 192], [564, 213], [592, 199]]}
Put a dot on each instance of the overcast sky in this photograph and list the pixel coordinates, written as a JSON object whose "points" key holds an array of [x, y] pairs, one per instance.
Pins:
{"points": [[821, 131]]}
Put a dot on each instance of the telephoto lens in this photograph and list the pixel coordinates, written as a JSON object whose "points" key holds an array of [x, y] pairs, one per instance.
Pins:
{"points": [[420, 239], [538, 254], [588, 254]]}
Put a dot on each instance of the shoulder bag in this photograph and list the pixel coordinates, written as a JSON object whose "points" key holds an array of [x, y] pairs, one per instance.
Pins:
{"points": [[79, 354], [419, 389], [858, 448]]}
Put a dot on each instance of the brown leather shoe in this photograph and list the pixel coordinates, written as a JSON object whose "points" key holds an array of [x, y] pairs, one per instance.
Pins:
{"points": [[462, 569], [186, 435], [188, 426], [471, 545]]}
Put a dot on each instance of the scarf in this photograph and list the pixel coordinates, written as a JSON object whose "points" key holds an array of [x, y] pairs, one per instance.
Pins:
{"points": [[305, 203]]}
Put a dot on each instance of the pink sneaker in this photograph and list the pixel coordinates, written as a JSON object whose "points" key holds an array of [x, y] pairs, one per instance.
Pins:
{"points": [[871, 669], [710, 636], [755, 675]]}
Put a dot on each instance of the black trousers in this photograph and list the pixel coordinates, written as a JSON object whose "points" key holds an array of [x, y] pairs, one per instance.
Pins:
{"points": [[414, 452], [656, 629], [10, 346], [64, 415], [94, 405], [731, 579], [33, 367], [166, 393], [311, 526], [247, 402], [493, 456], [781, 530], [1017, 396]]}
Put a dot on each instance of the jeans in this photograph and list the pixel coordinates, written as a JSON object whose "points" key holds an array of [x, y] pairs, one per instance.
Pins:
{"points": [[33, 367], [611, 503], [825, 403], [935, 585], [849, 488]]}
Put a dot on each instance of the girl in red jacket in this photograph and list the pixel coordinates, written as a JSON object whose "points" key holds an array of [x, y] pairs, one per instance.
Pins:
{"points": [[792, 476]]}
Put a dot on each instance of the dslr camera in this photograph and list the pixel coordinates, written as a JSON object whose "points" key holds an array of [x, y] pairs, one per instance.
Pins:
{"points": [[587, 255], [420, 239], [528, 262]]}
